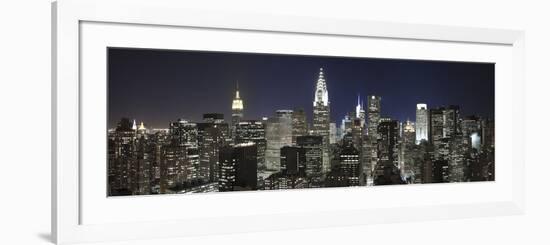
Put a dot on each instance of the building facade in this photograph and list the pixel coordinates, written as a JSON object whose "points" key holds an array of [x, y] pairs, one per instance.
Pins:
{"points": [[238, 168], [422, 123], [321, 117], [253, 131], [237, 111], [278, 134]]}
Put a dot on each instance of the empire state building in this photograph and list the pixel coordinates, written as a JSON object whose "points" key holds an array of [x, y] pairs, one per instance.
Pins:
{"points": [[321, 117], [236, 112]]}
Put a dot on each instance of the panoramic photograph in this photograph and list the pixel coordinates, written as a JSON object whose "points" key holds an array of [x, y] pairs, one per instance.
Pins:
{"points": [[182, 122]]}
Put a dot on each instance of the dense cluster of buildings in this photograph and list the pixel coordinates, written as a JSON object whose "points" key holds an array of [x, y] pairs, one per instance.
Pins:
{"points": [[284, 151]]}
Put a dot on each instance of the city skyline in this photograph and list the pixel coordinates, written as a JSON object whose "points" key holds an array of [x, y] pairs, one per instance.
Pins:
{"points": [[160, 79], [294, 146]]}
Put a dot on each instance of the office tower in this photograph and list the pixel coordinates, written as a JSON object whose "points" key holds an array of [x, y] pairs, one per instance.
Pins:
{"points": [[451, 121], [159, 140], [253, 131], [360, 111], [184, 134], [436, 125], [278, 134], [357, 132], [350, 166], [373, 114], [121, 157], [472, 128], [321, 117], [237, 108], [346, 125], [444, 124], [143, 169], [333, 132], [370, 149], [299, 124], [456, 159], [211, 136], [173, 158], [488, 133], [388, 142], [213, 118], [422, 123], [238, 168], [450, 145], [409, 133], [293, 160], [406, 147], [313, 146]]}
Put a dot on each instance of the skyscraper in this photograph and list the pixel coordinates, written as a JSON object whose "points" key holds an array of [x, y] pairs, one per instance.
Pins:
{"points": [[238, 168], [142, 171], [436, 125], [278, 134], [373, 113], [360, 111], [121, 157], [333, 133], [293, 160], [346, 125], [472, 128], [387, 167], [212, 134], [388, 144], [321, 117], [488, 133], [409, 133], [350, 165], [185, 134], [299, 124], [313, 146], [370, 151], [405, 148], [451, 121], [422, 122], [237, 108], [253, 131]]}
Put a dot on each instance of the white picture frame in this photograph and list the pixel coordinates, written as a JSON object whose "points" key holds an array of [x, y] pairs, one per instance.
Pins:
{"points": [[68, 17]]}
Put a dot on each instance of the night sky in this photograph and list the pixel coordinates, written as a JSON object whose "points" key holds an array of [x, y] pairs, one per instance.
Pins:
{"points": [[160, 86]]}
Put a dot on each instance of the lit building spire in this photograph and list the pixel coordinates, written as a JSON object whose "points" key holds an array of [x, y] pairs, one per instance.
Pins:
{"points": [[237, 101], [141, 126], [134, 126], [321, 92], [358, 108]]}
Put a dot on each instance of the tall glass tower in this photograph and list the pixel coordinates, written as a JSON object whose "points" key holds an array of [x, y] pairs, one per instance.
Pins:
{"points": [[421, 123]]}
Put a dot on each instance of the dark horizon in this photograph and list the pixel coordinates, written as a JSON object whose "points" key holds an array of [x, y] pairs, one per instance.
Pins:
{"points": [[160, 86]]}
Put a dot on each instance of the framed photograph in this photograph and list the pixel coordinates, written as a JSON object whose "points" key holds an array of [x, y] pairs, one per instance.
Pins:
{"points": [[175, 122]]}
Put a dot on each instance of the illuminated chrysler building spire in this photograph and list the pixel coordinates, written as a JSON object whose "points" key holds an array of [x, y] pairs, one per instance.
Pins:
{"points": [[321, 118], [321, 92]]}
